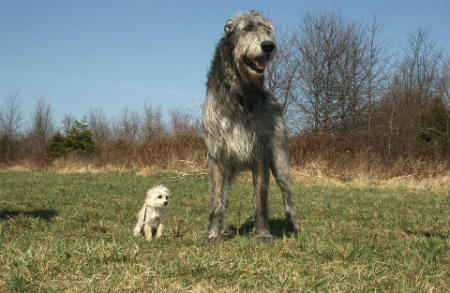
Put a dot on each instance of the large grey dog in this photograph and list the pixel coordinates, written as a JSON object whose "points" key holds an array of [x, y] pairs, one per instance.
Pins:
{"points": [[243, 124]]}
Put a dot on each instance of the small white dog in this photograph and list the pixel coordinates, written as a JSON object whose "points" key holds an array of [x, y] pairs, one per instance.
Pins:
{"points": [[151, 218]]}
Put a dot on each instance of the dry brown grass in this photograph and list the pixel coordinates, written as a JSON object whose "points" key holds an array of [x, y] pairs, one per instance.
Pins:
{"points": [[315, 172], [318, 159], [314, 175]]}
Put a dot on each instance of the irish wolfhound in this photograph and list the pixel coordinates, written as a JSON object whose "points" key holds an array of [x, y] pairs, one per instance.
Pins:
{"points": [[243, 124]]}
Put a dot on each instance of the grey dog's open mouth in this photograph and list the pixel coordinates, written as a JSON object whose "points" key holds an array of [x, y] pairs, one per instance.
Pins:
{"points": [[257, 64]]}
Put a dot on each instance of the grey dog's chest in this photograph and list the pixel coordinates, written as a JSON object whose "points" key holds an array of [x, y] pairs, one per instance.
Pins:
{"points": [[246, 133]]}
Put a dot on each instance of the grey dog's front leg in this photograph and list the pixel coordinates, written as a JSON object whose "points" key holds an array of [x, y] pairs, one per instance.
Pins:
{"points": [[219, 182], [261, 176]]}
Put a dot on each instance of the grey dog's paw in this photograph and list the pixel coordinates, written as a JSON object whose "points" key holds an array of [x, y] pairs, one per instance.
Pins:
{"points": [[213, 239], [290, 229], [265, 238]]}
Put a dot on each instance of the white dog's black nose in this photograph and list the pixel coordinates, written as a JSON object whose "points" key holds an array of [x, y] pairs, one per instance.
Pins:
{"points": [[267, 46], [165, 203]]}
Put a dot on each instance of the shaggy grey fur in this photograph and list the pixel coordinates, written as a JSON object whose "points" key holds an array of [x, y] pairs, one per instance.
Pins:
{"points": [[243, 124]]}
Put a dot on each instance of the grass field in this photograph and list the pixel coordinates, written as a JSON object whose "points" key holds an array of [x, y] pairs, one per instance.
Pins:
{"points": [[73, 232]]}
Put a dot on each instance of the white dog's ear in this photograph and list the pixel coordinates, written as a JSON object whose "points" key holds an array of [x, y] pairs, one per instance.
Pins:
{"points": [[165, 190]]}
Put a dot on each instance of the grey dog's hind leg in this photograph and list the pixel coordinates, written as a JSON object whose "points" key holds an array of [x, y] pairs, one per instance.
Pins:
{"points": [[220, 177], [282, 174], [261, 176]]}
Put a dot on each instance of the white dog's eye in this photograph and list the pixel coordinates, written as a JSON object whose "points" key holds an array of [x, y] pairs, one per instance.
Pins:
{"points": [[160, 196]]}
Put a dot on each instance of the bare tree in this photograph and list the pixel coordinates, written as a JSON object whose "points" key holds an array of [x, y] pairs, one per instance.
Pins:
{"points": [[415, 89], [282, 72], [420, 66], [11, 116], [99, 125], [328, 73], [152, 127], [42, 126], [314, 46], [443, 88], [127, 128], [443, 83], [376, 73], [331, 77], [350, 78], [10, 123], [182, 123], [68, 122]]}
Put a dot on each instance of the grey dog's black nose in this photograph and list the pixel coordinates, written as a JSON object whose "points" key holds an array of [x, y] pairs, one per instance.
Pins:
{"points": [[267, 46]]}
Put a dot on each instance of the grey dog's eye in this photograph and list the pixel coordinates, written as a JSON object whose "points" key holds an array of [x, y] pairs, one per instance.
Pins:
{"points": [[248, 27]]}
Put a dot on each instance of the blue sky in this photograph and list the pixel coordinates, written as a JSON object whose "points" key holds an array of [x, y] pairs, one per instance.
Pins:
{"points": [[110, 55]]}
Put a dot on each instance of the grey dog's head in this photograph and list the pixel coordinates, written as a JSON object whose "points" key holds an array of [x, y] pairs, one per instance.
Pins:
{"points": [[254, 45]]}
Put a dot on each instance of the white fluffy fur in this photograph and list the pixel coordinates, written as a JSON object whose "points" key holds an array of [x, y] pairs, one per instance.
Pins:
{"points": [[151, 218]]}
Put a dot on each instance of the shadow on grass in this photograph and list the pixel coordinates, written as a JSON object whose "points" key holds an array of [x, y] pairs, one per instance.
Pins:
{"points": [[276, 227], [46, 215], [427, 234]]}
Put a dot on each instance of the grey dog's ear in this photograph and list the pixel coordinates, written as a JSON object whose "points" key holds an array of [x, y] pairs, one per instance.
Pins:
{"points": [[228, 26]]}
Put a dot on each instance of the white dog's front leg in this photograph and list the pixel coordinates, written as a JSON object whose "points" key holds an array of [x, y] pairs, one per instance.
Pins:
{"points": [[159, 230], [140, 222], [148, 232], [137, 229]]}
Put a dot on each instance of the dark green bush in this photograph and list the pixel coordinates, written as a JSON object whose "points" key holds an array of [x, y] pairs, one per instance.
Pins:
{"points": [[433, 129], [77, 141], [9, 147]]}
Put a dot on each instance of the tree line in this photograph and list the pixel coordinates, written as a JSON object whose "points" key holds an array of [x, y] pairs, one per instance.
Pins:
{"points": [[336, 80], [336, 77], [132, 138]]}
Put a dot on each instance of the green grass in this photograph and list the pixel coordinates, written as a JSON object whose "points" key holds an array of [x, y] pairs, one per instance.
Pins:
{"points": [[73, 232]]}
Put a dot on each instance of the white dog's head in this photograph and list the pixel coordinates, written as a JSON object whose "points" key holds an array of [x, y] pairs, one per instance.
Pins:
{"points": [[157, 196]]}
